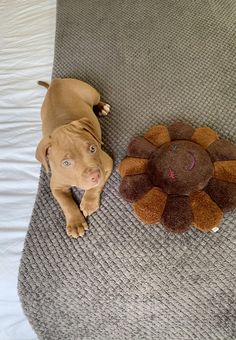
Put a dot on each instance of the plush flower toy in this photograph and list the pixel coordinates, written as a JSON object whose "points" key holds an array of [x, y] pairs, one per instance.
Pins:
{"points": [[180, 176]]}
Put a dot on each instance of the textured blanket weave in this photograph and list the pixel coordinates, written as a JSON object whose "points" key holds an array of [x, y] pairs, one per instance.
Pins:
{"points": [[154, 61]]}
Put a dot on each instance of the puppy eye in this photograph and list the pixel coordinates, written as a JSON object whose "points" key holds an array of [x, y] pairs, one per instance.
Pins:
{"points": [[93, 148], [66, 163]]}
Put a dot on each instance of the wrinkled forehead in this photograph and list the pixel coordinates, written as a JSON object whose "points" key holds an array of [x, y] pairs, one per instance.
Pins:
{"points": [[66, 138]]}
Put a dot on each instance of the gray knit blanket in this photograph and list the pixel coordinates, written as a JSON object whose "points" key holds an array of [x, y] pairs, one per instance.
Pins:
{"points": [[154, 61]]}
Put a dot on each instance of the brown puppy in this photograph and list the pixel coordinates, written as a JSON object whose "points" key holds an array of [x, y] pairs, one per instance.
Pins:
{"points": [[72, 143]]}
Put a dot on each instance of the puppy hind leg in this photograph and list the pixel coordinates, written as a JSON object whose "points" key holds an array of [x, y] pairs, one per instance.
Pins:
{"points": [[93, 98]]}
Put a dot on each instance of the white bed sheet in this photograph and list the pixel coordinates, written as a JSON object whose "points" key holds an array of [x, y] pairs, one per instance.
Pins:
{"points": [[27, 30]]}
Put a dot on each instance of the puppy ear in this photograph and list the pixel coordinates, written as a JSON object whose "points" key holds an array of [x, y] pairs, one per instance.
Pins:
{"points": [[86, 125], [41, 151]]}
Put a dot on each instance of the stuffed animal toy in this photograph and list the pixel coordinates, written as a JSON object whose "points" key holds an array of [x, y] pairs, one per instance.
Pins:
{"points": [[180, 176]]}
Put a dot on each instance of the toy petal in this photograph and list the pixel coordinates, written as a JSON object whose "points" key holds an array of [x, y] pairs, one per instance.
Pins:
{"points": [[180, 131], [132, 166], [222, 150], [223, 193], [204, 136], [158, 135], [225, 170], [206, 213], [140, 147], [150, 207], [177, 216], [134, 187]]}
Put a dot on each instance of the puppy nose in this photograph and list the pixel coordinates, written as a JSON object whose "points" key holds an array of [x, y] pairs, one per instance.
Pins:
{"points": [[94, 175]]}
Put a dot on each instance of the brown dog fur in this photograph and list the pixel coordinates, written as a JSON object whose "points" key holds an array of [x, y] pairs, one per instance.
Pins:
{"points": [[72, 144]]}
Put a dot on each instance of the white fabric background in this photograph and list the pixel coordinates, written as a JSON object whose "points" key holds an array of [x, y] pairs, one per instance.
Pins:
{"points": [[27, 30]]}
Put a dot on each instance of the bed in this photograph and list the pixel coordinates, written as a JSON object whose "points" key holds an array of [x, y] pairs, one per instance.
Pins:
{"points": [[123, 280], [27, 44]]}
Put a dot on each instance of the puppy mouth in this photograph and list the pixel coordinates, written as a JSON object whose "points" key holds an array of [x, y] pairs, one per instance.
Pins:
{"points": [[95, 184]]}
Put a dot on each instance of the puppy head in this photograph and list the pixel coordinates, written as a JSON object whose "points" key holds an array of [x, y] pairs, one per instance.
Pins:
{"points": [[74, 152]]}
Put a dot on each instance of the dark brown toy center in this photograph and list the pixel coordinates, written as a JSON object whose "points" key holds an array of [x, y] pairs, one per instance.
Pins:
{"points": [[180, 167]]}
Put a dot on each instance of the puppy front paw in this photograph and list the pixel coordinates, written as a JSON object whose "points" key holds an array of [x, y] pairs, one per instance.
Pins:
{"points": [[76, 227], [89, 205]]}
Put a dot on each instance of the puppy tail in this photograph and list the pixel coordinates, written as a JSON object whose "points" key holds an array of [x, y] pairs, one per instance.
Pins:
{"points": [[43, 83]]}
